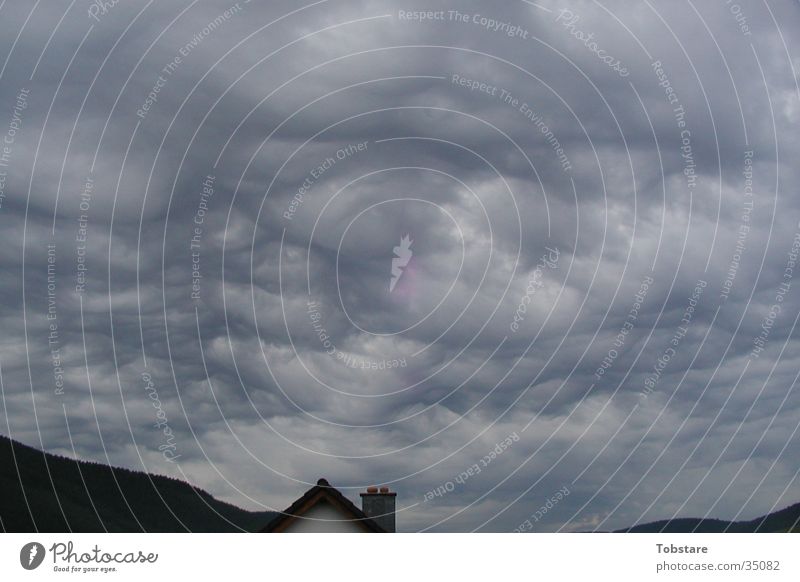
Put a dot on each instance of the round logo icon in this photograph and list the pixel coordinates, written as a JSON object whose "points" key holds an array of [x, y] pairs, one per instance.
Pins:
{"points": [[31, 555]]}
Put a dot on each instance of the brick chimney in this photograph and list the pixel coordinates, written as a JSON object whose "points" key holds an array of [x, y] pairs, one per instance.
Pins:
{"points": [[379, 505]]}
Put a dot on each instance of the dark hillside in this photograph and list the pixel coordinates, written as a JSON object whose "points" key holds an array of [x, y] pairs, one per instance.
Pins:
{"points": [[91, 497], [785, 520]]}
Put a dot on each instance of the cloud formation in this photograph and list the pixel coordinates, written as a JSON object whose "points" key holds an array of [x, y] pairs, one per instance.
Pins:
{"points": [[201, 202]]}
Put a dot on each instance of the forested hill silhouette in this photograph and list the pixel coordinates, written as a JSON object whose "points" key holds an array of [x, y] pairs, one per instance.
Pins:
{"points": [[79, 496], [785, 520]]}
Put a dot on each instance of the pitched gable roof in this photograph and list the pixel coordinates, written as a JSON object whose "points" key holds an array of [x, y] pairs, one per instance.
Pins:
{"points": [[322, 492]]}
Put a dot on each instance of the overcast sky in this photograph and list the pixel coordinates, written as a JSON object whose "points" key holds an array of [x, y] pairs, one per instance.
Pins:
{"points": [[591, 320]]}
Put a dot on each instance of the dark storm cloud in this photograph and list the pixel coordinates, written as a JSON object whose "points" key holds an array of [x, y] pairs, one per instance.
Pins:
{"points": [[253, 379]]}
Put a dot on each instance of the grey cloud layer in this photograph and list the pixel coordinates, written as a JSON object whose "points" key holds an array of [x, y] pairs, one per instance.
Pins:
{"points": [[265, 403]]}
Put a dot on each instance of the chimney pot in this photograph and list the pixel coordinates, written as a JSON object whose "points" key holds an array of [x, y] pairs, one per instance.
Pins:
{"points": [[379, 505]]}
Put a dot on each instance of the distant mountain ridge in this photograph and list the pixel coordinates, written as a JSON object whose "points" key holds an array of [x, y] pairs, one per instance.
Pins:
{"points": [[92, 497], [782, 521]]}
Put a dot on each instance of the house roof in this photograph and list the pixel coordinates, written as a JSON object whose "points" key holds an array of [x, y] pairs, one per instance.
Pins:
{"points": [[322, 492]]}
